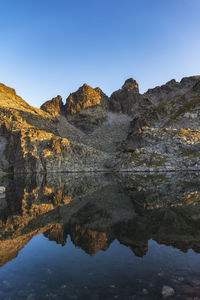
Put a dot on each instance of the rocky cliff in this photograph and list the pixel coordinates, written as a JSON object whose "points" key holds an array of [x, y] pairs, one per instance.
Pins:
{"points": [[128, 131]]}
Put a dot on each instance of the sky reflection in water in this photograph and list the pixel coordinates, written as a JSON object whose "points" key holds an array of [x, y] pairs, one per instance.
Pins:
{"points": [[117, 238]]}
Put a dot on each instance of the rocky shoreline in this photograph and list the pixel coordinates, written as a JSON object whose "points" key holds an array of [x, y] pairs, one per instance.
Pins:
{"points": [[158, 131]]}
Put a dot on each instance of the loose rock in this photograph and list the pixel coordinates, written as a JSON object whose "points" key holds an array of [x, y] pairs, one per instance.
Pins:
{"points": [[167, 291]]}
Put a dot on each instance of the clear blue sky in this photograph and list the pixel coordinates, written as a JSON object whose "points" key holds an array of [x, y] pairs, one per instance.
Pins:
{"points": [[50, 47]]}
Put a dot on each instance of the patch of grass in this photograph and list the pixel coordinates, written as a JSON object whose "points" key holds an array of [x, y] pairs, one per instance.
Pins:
{"points": [[189, 152], [129, 149], [153, 160], [185, 106], [9, 170]]}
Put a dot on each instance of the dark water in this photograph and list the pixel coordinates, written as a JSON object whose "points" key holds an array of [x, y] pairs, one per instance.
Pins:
{"points": [[100, 237]]}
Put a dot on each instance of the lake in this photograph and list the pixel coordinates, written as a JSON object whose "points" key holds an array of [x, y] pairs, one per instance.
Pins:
{"points": [[100, 236]]}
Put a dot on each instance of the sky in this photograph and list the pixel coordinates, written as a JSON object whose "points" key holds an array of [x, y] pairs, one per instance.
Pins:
{"points": [[52, 47]]}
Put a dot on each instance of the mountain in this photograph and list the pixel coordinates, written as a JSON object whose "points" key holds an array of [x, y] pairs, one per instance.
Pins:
{"points": [[128, 131]]}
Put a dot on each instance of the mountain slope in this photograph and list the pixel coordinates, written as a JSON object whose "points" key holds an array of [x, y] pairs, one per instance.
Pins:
{"points": [[156, 131]]}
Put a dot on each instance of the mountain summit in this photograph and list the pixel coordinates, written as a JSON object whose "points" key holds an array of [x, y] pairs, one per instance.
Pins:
{"points": [[128, 131]]}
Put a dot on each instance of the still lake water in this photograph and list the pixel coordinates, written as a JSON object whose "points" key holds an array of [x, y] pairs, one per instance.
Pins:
{"points": [[95, 236]]}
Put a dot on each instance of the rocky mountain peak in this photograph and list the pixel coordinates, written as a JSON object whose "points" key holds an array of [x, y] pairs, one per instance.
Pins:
{"points": [[9, 98], [83, 98], [172, 83], [127, 100], [7, 90], [54, 106], [94, 132], [189, 82], [171, 89], [131, 85], [10, 101]]}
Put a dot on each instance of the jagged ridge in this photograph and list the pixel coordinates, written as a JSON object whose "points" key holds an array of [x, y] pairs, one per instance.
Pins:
{"points": [[91, 132]]}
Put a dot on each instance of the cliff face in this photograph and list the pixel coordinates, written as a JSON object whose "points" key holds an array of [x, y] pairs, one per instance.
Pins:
{"points": [[54, 106], [128, 100], [164, 135], [31, 142], [158, 130], [84, 98], [86, 108]]}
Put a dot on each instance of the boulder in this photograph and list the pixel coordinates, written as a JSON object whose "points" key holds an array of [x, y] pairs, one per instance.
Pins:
{"points": [[2, 189]]}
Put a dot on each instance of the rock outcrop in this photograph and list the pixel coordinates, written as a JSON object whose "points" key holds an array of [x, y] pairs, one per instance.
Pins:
{"points": [[84, 98], [166, 135], [86, 108], [54, 106], [127, 100], [171, 89], [30, 140], [156, 131]]}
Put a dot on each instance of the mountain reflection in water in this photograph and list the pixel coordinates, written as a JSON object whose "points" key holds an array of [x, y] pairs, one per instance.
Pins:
{"points": [[102, 212]]}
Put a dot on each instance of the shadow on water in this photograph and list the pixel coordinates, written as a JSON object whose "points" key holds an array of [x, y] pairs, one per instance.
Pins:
{"points": [[115, 237]]}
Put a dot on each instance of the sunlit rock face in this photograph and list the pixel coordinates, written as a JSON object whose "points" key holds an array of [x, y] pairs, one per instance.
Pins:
{"points": [[54, 106], [156, 131], [30, 139], [86, 108], [85, 97], [131, 85]]}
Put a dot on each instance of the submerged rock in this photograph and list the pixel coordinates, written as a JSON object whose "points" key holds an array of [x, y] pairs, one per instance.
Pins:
{"points": [[167, 291], [2, 189]]}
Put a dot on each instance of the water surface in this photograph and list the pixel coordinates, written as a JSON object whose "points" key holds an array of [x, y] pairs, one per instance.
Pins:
{"points": [[100, 236]]}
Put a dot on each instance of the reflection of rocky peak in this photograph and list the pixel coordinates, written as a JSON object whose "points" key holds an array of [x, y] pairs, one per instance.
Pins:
{"points": [[90, 228], [91, 241], [54, 106], [57, 234], [132, 209]]}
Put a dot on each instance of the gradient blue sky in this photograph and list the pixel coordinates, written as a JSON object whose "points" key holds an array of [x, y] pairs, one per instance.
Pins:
{"points": [[50, 47]]}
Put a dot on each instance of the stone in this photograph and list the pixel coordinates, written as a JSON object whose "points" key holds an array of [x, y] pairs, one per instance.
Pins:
{"points": [[145, 291], [2, 189], [167, 291]]}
